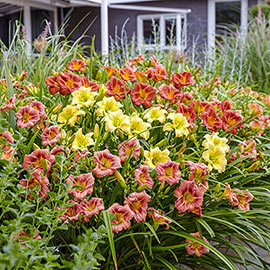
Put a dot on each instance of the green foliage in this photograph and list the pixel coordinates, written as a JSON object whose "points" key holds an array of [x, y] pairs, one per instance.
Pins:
{"points": [[264, 9]]}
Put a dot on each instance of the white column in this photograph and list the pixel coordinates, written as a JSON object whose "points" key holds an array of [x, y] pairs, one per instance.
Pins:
{"points": [[55, 16], [244, 16], [104, 27], [211, 29], [28, 26]]}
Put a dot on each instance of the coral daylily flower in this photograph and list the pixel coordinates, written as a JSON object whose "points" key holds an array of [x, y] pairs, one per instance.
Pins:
{"points": [[182, 79], [81, 185], [170, 93], [196, 248], [187, 111], [138, 204], [154, 156], [142, 76], [130, 148], [211, 120], [82, 141], [71, 212], [231, 118], [111, 71], [76, 65], [52, 84], [159, 73], [158, 218], [127, 74], [83, 97], [106, 163], [94, 87], [40, 108], [107, 105], [189, 197], [142, 176], [117, 88], [91, 208], [68, 82], [50, 135], [27, 117], [143, 93], [37, 159], [169, 172], [122, 217], [179, 125], [36, 183]]}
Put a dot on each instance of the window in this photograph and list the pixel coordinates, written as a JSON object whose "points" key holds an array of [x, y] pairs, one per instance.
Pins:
{"points": [[222, 15], [168, 30]]}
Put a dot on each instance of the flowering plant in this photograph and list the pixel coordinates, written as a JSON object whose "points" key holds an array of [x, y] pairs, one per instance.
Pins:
{"points": [[172, 165]]}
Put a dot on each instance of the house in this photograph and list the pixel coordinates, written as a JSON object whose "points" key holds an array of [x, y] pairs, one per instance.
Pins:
{"points": [[176, 22]]}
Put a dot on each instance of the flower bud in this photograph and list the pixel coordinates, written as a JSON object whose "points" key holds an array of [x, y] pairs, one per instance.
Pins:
{"points": [[96, 131], [142, 187], [161, 186], [120, 179], [254, 166]]}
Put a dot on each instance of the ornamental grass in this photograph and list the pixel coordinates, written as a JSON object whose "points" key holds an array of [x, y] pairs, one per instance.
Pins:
{"points": [[143, 166]]}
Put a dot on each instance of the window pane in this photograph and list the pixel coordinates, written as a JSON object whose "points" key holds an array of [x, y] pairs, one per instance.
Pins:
{"points": [[170, 26], [151, 31], [228, 14]]}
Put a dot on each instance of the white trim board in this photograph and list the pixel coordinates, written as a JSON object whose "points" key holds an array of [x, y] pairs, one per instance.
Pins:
{"points": [[211, 15]]}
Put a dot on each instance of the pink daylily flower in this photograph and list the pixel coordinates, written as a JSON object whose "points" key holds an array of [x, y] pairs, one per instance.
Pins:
{"points": [[142, 176], [196, 248], [169, 172], [91, 208], [127, 148], [50, 135]]}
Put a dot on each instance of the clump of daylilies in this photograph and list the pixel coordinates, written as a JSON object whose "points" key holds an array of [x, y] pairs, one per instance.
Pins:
{"points": [[146, 144]]}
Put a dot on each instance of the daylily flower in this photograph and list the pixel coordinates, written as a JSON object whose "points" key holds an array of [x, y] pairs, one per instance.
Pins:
{"points": [[187, 111], [84, 97], [255, 109], [117, 120], [185, 98], [128, 148], [196, 248], [189, 197], [248, 148], [91, 208], [107, 105], [127, 74], [226, 105], [111, 71], [117, 88], [169, 172], [244, 197], [198, 174], [155, 114], [39, 159], [179, 125], [154, 156], [169, 92], [139, 127], [72, 212], [53, 84], [82, 141], [143, 93], [8, 137], [106, 163], [159, 73], [27, 117], [81, 155], [142, 76], [138, 204], [232, 118], [136, 60], [68, 82], [215, 157], [40, 108], [257, 126], [211, 120], [122, 217], [36, 183], [70, 115], [8, 154], [182, 79], [215, 141], [158, 218], [142, 176], [81, 185], [50, 135], [10, 104], [76, 65], [94, 87]]}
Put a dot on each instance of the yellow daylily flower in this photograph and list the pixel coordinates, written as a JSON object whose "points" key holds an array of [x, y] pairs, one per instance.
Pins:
{"points": [[215, 157], [179, 125], [138, 126], [82, 141], [117, 120], [69, 115], [83, 97], [215, 141], [156, 155], [155, 114], [107, 105]]}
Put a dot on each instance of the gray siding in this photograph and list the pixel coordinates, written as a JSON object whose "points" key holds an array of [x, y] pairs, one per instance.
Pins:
{"points": [[197, 20]]}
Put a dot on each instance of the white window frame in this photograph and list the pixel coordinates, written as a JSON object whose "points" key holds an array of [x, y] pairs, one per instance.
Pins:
{"points": [[212, 19], [181, 42]]}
